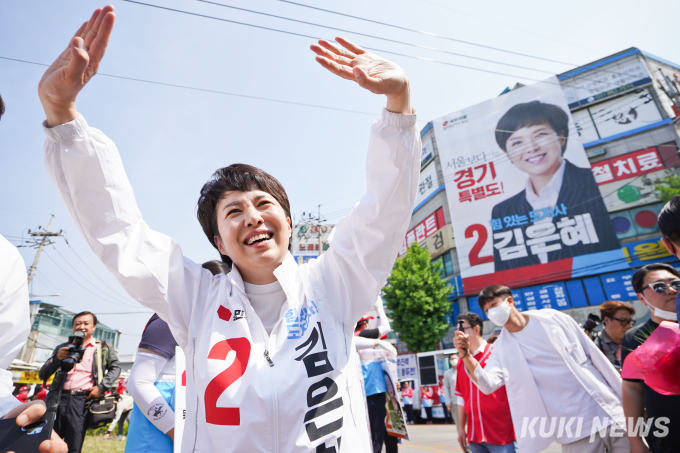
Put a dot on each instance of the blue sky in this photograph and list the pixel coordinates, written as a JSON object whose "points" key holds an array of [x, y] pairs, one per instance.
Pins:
{"points": [[172, 139]]}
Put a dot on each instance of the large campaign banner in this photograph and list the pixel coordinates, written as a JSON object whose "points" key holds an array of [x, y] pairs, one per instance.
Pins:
{"points": [[525, 207]]}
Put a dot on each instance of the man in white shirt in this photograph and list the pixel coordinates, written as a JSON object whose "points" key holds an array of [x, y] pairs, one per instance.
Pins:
{"points": [[450, 388], [560, 386]]}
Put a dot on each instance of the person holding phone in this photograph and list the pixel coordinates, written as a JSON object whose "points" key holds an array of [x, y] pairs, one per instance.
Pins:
{"points": [[485, 421], [267, 345]]}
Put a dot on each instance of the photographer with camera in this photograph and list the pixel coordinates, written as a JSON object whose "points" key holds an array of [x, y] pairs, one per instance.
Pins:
{"points": [[83, 368]]}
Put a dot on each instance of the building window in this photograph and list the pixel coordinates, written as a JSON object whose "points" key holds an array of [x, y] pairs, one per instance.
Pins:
{"points": [[447, 264]]}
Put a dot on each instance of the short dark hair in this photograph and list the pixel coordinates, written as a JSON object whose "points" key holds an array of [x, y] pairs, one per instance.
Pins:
{"points": [[532, 114], [473, 319], [609, 308], [216, 267], [83, 313], [2, 107], [491, 292], [239, 178], [639, 275], [669, 220]]}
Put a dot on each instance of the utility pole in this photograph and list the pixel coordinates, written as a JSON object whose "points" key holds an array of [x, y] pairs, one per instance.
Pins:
{"points": [[41, 238], [45, 235]]}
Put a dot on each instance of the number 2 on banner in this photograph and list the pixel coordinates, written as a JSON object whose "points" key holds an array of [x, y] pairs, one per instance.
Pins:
{"points": [[226, 415], [482, 236]]}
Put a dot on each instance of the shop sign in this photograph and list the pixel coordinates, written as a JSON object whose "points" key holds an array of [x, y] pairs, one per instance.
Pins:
{"points": [[441, 241]]}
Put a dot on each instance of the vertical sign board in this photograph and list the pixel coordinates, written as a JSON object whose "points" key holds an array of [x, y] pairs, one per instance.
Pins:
{"points": [[497, 158], [427, 151], [428, 183], [180, 398], [406, 367]]}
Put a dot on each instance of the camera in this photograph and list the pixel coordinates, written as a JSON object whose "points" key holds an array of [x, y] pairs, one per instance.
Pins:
{"points": [[76, 350], [591, 323]]}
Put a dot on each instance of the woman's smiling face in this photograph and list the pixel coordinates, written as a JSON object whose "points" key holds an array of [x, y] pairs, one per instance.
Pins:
{"points": [[536, 150], [254, 232]]}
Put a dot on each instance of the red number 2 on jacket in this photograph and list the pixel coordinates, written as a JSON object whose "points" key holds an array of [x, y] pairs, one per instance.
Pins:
{"points": [[226, 415]]}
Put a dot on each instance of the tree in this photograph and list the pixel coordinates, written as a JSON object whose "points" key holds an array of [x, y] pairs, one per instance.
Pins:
{"points": [[668, 188], [417, 299]]}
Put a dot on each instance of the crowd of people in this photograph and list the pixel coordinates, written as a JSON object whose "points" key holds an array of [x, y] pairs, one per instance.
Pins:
{"points": [[275, 357]]}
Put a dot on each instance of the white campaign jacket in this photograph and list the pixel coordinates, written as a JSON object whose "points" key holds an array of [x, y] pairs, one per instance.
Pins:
{"points": [[15, 319], [247, 391], [507, 366]]}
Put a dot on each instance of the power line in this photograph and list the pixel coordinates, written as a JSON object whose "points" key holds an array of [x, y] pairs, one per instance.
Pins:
{"points": [[93, 273], [86, 279], [509, 26], [41, 276], [317, 38], [434, 49], [84, 287], [368, 48], [427, 33], [20, 210], [302, 104]]}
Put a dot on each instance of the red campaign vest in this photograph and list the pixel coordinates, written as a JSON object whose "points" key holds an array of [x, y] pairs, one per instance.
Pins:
{"points": [[489, 417]]}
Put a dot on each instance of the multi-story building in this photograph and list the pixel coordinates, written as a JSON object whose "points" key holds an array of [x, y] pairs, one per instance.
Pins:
{"points": [[626, 110], [52, 326]]}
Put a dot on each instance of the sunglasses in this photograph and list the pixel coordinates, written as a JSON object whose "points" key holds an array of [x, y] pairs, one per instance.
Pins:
{"points": [[662, 287], [625, 322]]}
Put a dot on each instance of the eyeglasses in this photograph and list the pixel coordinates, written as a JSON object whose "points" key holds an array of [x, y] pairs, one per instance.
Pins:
{"points": [[624, 322], [662, 287]]}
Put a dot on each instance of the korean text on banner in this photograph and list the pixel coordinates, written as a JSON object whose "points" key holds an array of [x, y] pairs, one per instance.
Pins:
{"points": [[527, 207]]}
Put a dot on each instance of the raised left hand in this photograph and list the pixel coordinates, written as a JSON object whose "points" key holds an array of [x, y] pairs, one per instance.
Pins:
{"points": [[374, 73]]}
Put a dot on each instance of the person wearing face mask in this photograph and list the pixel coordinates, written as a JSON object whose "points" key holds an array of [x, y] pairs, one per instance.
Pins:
{"points": [[449, 385], [657, 286], [534, 136], [617, 318], [485, 422], [553, 373]]}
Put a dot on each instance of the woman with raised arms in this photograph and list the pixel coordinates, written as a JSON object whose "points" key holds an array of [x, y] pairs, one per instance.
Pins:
{"points": [[268, 345]]}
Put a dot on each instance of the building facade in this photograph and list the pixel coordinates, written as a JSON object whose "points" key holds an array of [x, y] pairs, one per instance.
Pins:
{"points": [[626, 111], [51, 326]]}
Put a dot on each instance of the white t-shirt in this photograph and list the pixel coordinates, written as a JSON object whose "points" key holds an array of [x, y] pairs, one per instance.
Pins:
{"points": [[563, 395], [267, 301]]}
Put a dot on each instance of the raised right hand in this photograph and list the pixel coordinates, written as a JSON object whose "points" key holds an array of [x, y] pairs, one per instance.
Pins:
{"points": [[460, 342], [63, 353], [76, 65]]}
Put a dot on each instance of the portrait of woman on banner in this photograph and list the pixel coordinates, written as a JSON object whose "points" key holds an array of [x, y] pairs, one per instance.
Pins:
{"points": [[560, 212]]}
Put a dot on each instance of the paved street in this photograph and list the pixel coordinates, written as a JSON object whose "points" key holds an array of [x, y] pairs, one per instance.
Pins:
{"points": [[440, 438]]}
